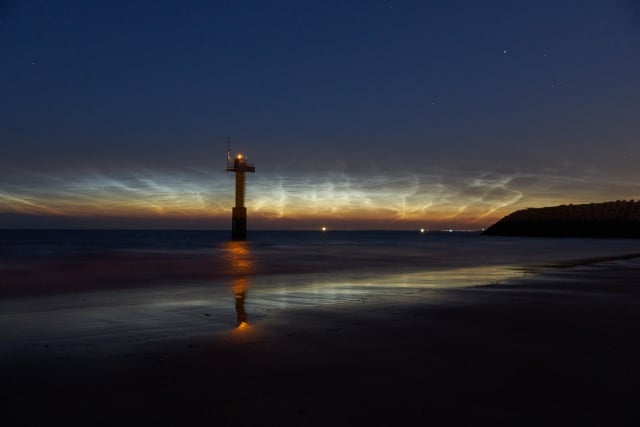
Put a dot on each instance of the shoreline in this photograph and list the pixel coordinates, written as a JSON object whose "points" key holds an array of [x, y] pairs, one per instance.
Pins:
{"points": [[555, 348]]}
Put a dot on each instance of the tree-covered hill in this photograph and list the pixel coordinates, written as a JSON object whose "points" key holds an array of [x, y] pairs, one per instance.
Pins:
{"points": [[610, 219]]}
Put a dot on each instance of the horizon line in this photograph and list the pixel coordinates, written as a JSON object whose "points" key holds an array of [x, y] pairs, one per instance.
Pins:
{"points": [[319, 230]]}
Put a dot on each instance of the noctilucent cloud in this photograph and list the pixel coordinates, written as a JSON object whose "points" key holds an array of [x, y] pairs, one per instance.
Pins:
{"points": [[356, 114]]}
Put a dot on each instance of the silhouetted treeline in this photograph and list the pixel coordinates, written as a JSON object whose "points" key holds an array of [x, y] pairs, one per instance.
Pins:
{"points": [[610, 219]]}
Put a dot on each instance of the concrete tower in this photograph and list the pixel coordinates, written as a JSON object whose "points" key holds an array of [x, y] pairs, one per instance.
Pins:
{"points": [[239, 165]]}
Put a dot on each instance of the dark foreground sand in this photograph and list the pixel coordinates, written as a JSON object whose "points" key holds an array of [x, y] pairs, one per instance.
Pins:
{"points": [[558, 348]]}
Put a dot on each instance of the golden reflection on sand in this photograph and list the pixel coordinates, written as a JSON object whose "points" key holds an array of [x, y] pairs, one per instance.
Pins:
{"points": [[239, 258], [239, 288]]}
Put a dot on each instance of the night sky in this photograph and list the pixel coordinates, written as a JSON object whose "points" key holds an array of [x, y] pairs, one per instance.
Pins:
{"points": [[356, 114]]}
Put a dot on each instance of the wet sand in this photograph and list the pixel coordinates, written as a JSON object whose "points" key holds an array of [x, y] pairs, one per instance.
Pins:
{"points": [[560, 347]]}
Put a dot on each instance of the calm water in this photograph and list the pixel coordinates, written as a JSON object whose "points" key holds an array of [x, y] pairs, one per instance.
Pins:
{"points": [[64, 286], [305, 251]]}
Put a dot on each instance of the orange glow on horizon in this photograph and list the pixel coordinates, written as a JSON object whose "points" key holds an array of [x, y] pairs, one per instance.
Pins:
{"points": [[276, 202]]}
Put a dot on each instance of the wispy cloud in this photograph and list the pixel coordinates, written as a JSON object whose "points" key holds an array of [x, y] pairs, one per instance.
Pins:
{"points": [[470, 199]]}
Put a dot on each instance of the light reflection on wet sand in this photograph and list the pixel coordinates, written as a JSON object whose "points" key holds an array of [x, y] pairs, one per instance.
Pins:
{"points": [[239, 257], [123, 316], [120, 317]]}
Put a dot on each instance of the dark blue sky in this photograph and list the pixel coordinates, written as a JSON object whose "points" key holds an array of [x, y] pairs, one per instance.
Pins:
{"points": [[395, 113]]}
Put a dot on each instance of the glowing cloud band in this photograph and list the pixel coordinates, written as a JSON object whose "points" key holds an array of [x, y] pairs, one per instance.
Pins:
{"points": [[301, 201]]}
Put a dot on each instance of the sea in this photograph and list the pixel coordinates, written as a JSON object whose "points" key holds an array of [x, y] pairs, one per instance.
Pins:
{"points": [[64, 288]]}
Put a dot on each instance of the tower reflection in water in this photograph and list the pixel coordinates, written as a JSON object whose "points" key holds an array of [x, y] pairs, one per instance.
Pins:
{"points": [[239, 258]]}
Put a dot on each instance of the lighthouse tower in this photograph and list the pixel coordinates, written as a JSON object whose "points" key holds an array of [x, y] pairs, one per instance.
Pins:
{"points": [[239, 165]]}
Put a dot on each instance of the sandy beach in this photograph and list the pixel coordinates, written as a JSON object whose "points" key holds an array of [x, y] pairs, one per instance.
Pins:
{"points": [[557, 347]]}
